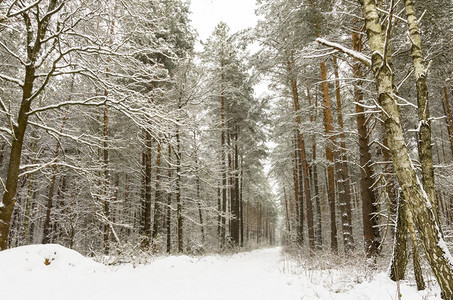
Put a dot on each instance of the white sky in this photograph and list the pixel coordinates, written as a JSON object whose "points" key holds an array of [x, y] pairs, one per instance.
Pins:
{"points": [[206, 14]]}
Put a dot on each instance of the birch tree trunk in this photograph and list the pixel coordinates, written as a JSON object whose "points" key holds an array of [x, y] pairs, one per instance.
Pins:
{"points": [[417, 199], [425, 149], [415, 253], [399, 257]]}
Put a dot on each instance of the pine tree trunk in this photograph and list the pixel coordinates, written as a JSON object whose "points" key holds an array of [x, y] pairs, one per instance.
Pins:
{"points": [[328, 127], [304, 168], [199, 200], [314, 169], [219, 217], [235, 193], [299, 231], [168, 212], [449, 120], [223, 169], [366, 174], [247, 223], [200, 212], [287, 223], [146, 214], [241, 203], [343, 172], [229, 183], [157, 201], [179, 216]]}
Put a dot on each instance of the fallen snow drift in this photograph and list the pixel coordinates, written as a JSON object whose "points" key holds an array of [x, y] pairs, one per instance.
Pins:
{"points": [[48, 258], [50, 272]]}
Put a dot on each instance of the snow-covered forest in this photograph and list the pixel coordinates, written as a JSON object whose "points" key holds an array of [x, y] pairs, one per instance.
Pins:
{"points": [[326, 130]]}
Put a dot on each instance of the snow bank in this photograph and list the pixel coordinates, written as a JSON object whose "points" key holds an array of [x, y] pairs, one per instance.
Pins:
{"points": [[49, 258], [51, 272]]}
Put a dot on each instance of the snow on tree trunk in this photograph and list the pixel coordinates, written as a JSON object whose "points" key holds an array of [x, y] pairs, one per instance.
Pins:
{"points": [[418, 202]]}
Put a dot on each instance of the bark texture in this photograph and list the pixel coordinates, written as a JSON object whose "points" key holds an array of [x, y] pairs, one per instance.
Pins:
{"points": [[366, 192], [341, 165], [425, 149], [419, 204], [28, 94], [328, 128], [302, 160]]}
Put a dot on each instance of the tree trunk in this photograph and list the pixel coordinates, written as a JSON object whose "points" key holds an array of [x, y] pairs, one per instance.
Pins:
{"points": [[46, 238], [241, 203], [449, 120], [8, 201], [178, 192], [415, 253], [314, 169], [47, 220], [199, 200], [235, 193], [287, 222], [223, 169], [328, 126], [200, 213], [297, 195], [20, 126], [366, 174], [425, 149], [30, 193], [343, 172], [399, 258], [219, 217], [146, 214], [302, 159], [157, 201], [168, 212], [418, 202]]}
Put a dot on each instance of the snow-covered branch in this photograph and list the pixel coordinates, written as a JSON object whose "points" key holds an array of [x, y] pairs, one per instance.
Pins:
{"points": [[361, 57]]}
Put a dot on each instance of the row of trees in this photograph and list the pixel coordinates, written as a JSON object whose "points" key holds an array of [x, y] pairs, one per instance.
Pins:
{"points": [[343, 148], [115, 134]]}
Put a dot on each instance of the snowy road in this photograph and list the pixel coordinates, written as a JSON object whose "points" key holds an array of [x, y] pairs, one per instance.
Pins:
{"points": [[260, 274]]}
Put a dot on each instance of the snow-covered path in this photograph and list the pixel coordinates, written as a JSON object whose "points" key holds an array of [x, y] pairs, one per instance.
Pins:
{"points": [[260, 274]]}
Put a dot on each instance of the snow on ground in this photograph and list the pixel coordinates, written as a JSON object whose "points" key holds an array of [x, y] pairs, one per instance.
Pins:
{"points": [[50, 272]]}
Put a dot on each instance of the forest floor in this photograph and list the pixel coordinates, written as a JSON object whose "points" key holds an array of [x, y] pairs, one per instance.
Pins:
{"points": [[54, 272]]}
